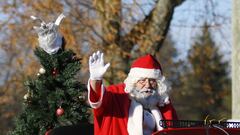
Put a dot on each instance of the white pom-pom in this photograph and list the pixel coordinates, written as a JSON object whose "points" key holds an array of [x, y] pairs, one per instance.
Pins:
{"points": [[42, 71]]}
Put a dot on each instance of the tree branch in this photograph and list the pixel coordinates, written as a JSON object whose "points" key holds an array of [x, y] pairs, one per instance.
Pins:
{"points": [[150, 33], [109, 11]]}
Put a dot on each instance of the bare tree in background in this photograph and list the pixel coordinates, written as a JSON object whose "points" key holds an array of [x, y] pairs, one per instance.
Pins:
{"points": [[112, 26], [89, 26], [236, 60]]}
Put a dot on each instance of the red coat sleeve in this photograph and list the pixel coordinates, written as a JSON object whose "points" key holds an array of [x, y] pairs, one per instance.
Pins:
{"points": [[169, 113]]}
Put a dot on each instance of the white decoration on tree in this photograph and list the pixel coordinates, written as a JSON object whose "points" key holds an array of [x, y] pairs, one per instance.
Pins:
{"points": [[42, 71], [48, 37], [26, 96]]}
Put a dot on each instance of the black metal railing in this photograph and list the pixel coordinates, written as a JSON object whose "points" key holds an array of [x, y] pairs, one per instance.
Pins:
{"points": [[191, 123]]}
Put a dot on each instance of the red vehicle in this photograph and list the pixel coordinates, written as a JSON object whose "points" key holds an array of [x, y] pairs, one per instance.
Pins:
{"points": [[185, 127], [179, 127]]}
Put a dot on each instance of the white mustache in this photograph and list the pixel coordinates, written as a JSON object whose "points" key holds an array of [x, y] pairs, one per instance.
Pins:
{"points": [[147, 91]]}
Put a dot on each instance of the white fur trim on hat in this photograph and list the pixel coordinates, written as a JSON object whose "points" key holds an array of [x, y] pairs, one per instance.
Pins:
{"points": [[145, 73]]}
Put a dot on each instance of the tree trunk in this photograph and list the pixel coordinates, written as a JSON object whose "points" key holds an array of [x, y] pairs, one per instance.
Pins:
{"points": [[151, 32], [236, 60]]}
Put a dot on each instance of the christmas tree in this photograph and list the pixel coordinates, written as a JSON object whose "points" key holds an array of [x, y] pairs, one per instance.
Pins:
{"points": [[54, 97]]}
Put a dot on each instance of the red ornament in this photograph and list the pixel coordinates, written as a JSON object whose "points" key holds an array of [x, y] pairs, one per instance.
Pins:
{"points": [[48, 132], [59, 112], [54, 72], [128, 56]]}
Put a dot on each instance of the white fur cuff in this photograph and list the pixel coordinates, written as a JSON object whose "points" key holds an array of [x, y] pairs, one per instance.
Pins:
{"points": [[97, 104]]}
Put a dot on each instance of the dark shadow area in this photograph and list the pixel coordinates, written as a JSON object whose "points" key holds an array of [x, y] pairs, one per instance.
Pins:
{"points": [[80, 129]]}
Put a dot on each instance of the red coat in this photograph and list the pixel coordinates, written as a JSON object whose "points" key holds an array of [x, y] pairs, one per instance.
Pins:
{"points": [[111, 117]]}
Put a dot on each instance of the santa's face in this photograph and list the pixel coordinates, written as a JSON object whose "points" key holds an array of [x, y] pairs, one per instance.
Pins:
{"points": [[146, 86], [145, 92]]}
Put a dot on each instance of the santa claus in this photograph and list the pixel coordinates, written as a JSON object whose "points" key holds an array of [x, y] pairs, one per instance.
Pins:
{"points": [[134, 107]]}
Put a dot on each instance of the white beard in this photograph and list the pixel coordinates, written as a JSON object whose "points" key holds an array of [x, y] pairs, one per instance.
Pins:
{"points": [[148, 98]]}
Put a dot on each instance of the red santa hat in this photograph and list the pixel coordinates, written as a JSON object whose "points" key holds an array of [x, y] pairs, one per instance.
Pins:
{"points": [[146, 67]]}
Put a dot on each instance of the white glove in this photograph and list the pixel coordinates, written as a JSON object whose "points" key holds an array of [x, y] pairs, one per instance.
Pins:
{"points": [[96, 66]]}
